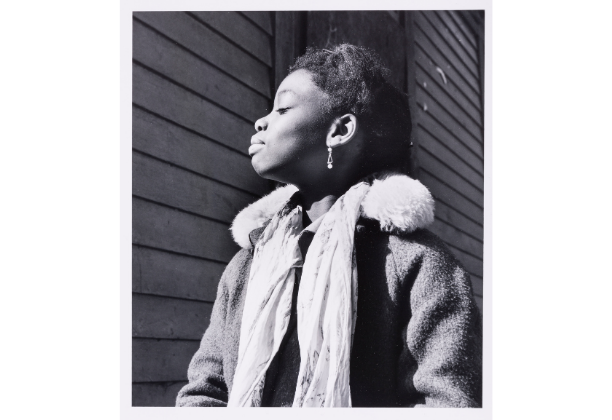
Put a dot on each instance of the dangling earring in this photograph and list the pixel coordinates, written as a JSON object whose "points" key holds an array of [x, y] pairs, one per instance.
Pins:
{"points": [[329, 159]]}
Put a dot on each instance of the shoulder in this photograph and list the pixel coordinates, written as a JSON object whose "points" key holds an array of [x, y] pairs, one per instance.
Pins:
{"points": [[405, 246], [435, 274], [235, 276], [237, 270], [414, 256], [421, 245]]}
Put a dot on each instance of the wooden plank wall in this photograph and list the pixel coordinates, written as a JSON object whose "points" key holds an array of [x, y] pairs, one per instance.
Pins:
{"points": [[200, 80], [381, 31], [449, 148]]}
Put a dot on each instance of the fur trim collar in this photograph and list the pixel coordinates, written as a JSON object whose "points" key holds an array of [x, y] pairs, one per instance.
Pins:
{"points": [[399, 203]]}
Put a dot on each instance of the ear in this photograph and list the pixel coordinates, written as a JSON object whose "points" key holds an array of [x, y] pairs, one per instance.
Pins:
{"points": [[342, 130]]}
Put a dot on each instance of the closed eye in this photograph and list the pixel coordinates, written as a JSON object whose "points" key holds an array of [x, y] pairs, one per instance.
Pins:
{"points": [[281, 111]]}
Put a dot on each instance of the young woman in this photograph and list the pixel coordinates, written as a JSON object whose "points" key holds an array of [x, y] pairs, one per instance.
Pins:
{"points": [[340, 296]]}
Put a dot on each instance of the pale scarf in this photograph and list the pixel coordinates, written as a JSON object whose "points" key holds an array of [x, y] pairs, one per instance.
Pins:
{"points": [[326, 305]]}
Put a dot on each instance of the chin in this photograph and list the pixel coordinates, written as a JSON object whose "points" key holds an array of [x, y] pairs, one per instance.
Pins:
{"points": [[261, 168], [267, 171]]}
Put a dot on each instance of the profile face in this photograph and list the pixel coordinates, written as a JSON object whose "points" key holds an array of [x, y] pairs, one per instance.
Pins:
{"points": [[290, 140]]}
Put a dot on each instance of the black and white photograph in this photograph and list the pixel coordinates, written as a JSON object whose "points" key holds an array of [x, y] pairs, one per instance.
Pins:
{"points": [[307, 211], [396, 209]]}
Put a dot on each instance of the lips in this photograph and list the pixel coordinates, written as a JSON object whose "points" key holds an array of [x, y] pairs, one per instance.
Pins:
{"points": [[256, 145]]}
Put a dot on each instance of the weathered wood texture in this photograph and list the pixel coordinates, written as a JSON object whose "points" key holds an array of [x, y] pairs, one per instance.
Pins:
{"points": [[261, 19], [449, 128], [155, 394], [185, 68], [157, 272], [185, 190], [169, 318], [168, 229], [173, 102], [373, 29], [169, 142], [161, 360], [200, 80], [290, 45], [413, 164], [211, 47]]}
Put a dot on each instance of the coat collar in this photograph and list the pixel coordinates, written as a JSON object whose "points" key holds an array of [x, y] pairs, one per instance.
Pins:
{"points": [[399, 203]]}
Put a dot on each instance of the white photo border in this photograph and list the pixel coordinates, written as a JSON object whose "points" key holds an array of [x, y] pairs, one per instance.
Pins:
{"points": [[153, 413]]}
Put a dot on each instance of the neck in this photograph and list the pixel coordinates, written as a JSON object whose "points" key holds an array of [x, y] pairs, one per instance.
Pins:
{"points": [[318, 195], [317, 208], [317, 200]]}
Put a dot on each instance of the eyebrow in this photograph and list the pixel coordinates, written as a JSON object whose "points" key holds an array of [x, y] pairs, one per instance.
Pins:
{"points": [[282, 92]]}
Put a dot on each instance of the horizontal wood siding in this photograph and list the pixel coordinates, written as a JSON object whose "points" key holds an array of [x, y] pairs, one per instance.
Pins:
{"points": [[200, 80], [163, 317], [169, 142], [161, 360], [161, 394], [210, 46], [161, 55], [173, 102], [157, 226], [157, 272], [185, 190], [262, 19], [242, 33], [449, 131]]}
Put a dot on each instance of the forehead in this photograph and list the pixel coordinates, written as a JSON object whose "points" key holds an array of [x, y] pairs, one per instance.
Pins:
{"points": [[299, 85]]}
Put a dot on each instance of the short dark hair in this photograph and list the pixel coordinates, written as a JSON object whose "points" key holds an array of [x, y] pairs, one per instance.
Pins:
{"points": [[355, 81]]}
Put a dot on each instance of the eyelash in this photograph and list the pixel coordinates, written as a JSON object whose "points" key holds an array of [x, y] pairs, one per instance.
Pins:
{"points": [[281, 111]]}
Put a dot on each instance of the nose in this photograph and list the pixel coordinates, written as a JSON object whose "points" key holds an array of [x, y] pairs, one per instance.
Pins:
{"points": [[261, 124]]}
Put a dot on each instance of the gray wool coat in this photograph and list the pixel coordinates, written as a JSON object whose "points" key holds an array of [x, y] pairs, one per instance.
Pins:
{"points": [[418, 336]]}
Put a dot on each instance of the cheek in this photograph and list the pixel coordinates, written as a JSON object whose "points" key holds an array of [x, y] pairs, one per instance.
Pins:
{"points": [[296, 140], [294, 144]]}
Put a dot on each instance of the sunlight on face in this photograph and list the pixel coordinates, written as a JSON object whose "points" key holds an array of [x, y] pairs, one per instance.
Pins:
{"points": [[290, 141]]}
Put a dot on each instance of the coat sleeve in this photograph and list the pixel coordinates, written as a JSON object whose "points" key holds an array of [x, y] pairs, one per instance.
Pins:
{"points": [[444, 334], [207, 386]]}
